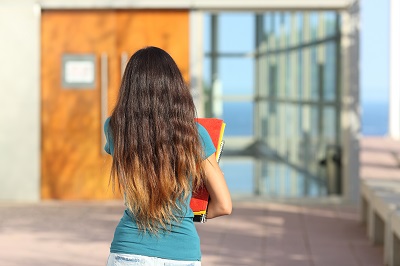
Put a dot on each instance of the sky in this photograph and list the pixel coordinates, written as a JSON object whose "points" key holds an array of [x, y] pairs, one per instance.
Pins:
{"points": [[374, 51]]}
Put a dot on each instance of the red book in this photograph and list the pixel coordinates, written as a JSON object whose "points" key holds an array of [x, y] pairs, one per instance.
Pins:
{"points": [[215, 128]]}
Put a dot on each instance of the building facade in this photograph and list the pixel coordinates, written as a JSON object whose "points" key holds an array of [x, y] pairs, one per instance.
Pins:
{"points": [[282, 74]]}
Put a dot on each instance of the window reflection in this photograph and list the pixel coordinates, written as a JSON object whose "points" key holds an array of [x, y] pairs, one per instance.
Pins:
{"points": [[273, 78], [236, 32]]}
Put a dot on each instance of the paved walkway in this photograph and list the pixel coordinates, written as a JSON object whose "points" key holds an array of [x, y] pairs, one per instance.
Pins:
{"points": [[380, 158], [257, 233]]}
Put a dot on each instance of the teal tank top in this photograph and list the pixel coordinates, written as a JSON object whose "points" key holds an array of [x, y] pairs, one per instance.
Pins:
{"points": [[181, 243]]}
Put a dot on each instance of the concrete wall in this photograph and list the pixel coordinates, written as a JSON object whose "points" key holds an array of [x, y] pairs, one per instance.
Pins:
{"points": [[19, 101]]}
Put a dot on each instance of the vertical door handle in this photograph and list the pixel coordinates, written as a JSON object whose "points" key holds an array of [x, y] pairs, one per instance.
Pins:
{"points": [[124, 61], [103, 97]]}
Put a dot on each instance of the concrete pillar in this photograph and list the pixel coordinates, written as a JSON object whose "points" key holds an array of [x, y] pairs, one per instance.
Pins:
{"points": [[350, 102]]}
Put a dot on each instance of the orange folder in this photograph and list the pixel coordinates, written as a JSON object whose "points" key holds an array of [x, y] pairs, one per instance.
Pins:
{"points": [[199, 201]]}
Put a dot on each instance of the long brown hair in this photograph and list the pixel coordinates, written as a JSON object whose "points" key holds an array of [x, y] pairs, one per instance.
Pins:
{"points": [[157, 151]]}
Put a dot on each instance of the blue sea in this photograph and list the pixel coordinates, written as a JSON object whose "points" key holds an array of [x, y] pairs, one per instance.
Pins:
{"points": [[239, 118], [374, 118]]}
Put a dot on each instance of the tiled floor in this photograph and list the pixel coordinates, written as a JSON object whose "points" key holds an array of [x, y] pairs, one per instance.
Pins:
{"points": [[275, 234], [257, 233], [380, 158]]}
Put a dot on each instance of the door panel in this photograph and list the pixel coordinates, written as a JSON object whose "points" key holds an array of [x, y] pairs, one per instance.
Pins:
{"points": [[73, 164]]}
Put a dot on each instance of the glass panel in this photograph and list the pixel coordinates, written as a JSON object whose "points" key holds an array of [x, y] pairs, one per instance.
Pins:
{"points": [[314, 74], [300, 77], [300, 125], [300, 120], [236, 75], [281, 75], [207, 33], [330, 23], [288, 181], [329, 123], [290, 120], [236, 32], [273, 178], [330, 75], [306, 73], [277, 25], [314, 127], [277, 126], [314, 25], [207, 72], [267, 23], [287, 75], [239, 118], [293, 77], [207, 82], [287, 27], [238, 175], [273, 82], [300, 24]]}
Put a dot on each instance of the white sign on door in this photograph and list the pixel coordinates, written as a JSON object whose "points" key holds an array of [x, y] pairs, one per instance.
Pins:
{"points": [[79, 71]]}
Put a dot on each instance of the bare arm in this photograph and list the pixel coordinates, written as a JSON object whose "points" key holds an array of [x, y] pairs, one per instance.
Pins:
{"points": [[220, 199]]}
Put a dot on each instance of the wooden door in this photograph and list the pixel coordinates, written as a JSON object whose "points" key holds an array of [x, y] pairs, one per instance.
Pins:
{"points": [[168, 30], [73, 164]]}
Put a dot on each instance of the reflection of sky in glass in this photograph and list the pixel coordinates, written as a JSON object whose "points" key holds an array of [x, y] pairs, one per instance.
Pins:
{"points": [[277, 24], [236, 75], [267, 22], [330, 71], [313, 25], [207, 33], [236, 32]]}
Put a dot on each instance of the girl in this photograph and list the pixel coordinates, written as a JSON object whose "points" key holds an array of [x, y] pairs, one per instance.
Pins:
{"points": [[160, 155]]}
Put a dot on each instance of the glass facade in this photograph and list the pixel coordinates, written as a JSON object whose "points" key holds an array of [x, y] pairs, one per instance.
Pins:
{"points": [[273, 77]]}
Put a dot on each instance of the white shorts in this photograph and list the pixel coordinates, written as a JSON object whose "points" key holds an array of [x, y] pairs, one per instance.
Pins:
{"points": [[117, 259]]}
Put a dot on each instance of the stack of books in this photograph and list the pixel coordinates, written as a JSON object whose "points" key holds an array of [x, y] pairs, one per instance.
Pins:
{"points": [[199, 201]]}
